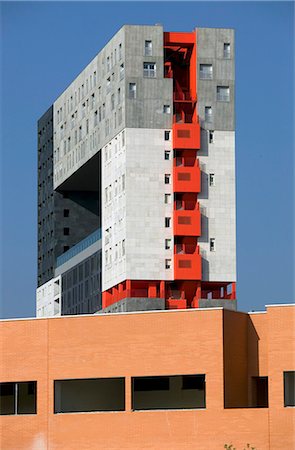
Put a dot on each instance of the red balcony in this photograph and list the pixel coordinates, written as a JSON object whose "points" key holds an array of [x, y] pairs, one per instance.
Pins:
{"points": [[188, 266], [173, 303], [187, 178], [187, 222], [186, 135]]}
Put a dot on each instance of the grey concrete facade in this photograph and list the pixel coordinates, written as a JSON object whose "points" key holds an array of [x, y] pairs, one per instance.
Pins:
{"points": [[223, 303], [135, 304], [211, 51]]}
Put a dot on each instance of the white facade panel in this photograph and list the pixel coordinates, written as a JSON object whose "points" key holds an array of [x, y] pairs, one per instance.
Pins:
{"points": [[134, 208], [48, 298], [218, 206]]}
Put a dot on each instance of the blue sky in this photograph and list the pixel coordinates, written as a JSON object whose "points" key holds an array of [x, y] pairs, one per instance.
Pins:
{"points": [[46, 44]]}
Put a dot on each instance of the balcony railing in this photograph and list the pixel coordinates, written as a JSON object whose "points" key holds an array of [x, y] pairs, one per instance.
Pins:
{"points": [[78, 248], [187, 179], [186, 136], [187, 222], [188, 267]]}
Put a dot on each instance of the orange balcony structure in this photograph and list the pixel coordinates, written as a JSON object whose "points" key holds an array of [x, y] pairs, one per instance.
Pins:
{"points": [[187, 222], [187, 178], [186, 135], [188, 266]]}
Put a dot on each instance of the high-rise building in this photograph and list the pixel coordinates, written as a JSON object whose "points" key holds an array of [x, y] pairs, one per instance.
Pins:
{"points": [[137, 178]]}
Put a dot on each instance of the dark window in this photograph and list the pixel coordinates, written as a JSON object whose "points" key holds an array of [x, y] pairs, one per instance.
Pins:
{"points": [[289, 388], [167, 135], [66, 231], [168, 392], [86, 395], [66, 248], [260, 392], [18, 398], [66, 212]]}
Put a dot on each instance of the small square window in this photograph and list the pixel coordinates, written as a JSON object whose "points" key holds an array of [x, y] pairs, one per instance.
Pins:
{"points": [[206, 71], [211, 179], [167, 135], [167, 155], [168, 263], [149, 70], [66, 248], [66, 231], [166, 109], [226, 50], [223, 94], [167, 178], [212, 245], [167, 222], [66, 212]]}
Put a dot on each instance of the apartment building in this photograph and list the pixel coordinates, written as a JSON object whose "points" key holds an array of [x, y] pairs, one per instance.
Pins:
{"points": [[137, 177]]}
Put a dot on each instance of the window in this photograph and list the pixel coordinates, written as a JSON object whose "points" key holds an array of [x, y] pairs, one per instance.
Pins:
{"points": [[132, 90], [208, 114], [167, 263], [66, 248], [167, 199], [167, 222], [168, 392], [120, 51], [167, 178], [66, 212], [167, 135], [222, 93], [123, 247], [289, 388], [206, 71], [149, 70], [18, 398], [211, 179], [260, 392], [212, 245], [108, 84], [168, 244], [167, 155], [211, 137], [86, 395], [66, 231], [122, 71], [119, 96], [226, 50], [148, 48], [113, 102], [166, 109]]}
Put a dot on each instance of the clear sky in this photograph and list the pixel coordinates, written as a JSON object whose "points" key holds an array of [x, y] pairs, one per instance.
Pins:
{"points": [[46, 44]]}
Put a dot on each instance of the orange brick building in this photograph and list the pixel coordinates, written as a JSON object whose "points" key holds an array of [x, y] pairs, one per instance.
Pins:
{"points": [[190, 379]]}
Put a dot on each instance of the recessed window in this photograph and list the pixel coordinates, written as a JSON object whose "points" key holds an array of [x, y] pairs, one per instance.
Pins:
{"points": [[18, 398], [132, 90], [289, 388], [167, 155], [167, 263], [66, 248], [206, 71], [167, 178], [168, 392], [148, 48], [149, 70], [223, 94], [167, 222], [122, 71], [112, 102], [168, 244], [212, 244], [66, 212], [66, 231], [211, 137], [166, 109], [168, 199], [226, 50], [87, 395], [208, 114], [211, 179], [167, 135]]}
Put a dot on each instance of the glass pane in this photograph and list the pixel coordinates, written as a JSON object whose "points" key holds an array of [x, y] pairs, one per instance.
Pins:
{"points": [[26, 397], [7, 398]]}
